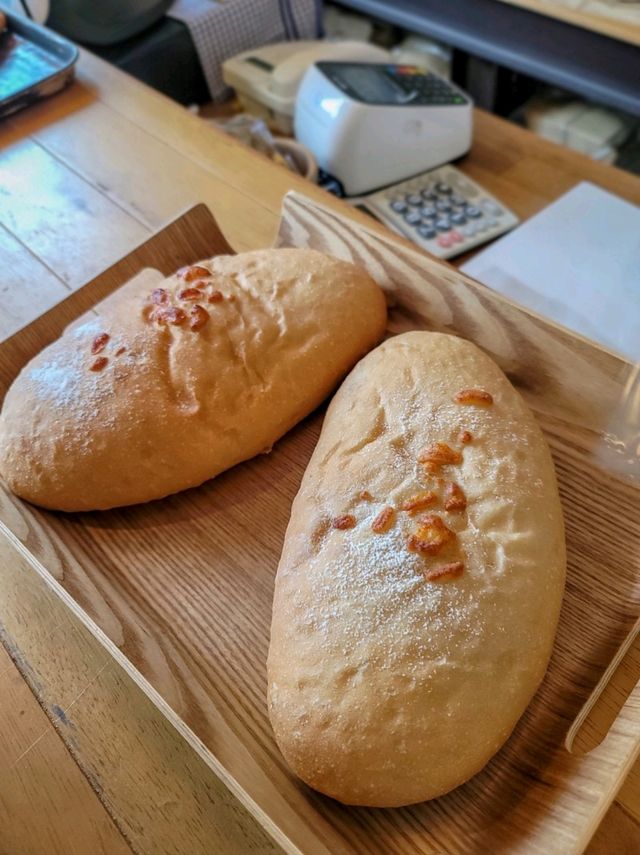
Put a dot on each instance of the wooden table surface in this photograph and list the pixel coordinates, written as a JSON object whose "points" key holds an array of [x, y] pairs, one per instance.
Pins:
{"points": [[83, 178]]}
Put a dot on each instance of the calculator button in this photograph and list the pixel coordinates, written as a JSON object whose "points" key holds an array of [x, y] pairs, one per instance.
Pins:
{"points": [[445, 241], [414, 199], [457, 200], [441, 187], [443, 224], [413, 218], [458, 219], [470, 230], [456, 237], [429, 194], [443, 205], [427, 232], [491, 224], [490, 207], [473, 212], [399, 205], [429, 211]]}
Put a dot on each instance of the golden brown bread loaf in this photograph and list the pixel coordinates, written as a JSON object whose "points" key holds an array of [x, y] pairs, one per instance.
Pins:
{"points": [[167, 388], [420, 584]]}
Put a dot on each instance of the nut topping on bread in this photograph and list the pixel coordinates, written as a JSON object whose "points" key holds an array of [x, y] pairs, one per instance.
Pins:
{"points": [[168, 315], [420, 501], [432, 536], [344, 521], [99, 363], [100, 342], [190, 294], [384, 520], [198, 317], [475, 397], [165, 313], [365, 495], [444, 572], [159, 296], [454, 498], [465, 437], [190, 274], [437, 455]]}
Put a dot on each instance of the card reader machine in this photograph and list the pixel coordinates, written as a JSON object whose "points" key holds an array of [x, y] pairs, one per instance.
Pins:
{"points": [[371, 125]]}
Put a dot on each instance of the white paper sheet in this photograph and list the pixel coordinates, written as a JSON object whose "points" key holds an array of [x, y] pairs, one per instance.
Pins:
{"points": [[576, 262]]}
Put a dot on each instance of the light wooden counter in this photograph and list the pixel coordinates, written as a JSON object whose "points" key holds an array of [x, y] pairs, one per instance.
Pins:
{"points": [[83, 178]]}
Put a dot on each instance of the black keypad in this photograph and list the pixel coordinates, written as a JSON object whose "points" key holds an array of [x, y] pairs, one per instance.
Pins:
{"points": [[427, 89]]}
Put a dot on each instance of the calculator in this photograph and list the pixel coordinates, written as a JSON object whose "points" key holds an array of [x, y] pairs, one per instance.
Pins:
{"points": [[442, 210]]}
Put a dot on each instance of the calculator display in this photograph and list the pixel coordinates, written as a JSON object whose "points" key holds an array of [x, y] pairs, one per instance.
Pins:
{"points": [[391, 85]]}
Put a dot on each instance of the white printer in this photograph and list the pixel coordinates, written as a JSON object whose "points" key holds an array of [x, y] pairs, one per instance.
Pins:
{"points": [[371, 125]]}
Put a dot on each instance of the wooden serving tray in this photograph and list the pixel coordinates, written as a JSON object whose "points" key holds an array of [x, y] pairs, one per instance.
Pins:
{"points": [[179, 591]]}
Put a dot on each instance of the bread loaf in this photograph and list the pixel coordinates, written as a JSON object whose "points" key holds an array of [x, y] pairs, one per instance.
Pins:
{"points": [[421, 579], [165, 389]]}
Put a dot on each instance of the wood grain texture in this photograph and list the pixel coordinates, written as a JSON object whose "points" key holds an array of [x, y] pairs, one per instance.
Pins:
{"points": [[181, 801], [30, 289], [40, 197], [150, 188], [31, 759], [617, 833], [183, 586]]}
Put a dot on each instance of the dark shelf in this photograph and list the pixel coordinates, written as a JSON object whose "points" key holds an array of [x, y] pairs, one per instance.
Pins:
{"points": [[586, 63]]}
